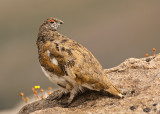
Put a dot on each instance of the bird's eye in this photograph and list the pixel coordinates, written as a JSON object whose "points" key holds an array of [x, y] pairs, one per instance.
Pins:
{"points": [[52, 21]]}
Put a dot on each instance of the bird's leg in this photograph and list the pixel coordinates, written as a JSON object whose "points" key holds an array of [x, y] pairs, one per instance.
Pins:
{"points": [[72, 95], [59, 94], [70, 99]]}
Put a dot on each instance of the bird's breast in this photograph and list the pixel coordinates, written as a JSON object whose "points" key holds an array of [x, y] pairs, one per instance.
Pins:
{"points": [[53, 77]]}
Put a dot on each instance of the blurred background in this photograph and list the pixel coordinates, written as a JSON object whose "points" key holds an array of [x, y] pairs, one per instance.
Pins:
{"points": [[113, 30]]}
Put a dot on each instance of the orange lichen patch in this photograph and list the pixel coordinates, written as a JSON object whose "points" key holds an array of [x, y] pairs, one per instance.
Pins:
{"points": [[146, 54]]}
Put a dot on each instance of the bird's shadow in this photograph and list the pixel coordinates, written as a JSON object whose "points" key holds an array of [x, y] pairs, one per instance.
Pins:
{"points": [[80, 99]]}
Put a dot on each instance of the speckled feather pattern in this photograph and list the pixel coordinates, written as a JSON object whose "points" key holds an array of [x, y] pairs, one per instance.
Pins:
{"points": [[75, 64]]}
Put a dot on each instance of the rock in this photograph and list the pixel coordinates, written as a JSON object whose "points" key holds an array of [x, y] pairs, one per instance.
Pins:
{"points": [[138, 80], [147, 109], [132, 107]]}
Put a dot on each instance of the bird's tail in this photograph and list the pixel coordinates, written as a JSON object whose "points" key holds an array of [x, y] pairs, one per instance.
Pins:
{"points": [[111, 89]]}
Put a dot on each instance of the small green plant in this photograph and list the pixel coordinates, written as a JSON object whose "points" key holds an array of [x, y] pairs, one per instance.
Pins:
{"points": [[35, 90], [49, 90], [26, 99], [154, 52]]}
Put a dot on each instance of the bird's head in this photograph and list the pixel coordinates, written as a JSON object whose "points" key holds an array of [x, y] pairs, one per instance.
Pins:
{"points": [[51, 24]]}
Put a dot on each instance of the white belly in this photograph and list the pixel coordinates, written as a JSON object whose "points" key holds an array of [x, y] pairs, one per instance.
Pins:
{"points": [[64, 80], [52, 77]]}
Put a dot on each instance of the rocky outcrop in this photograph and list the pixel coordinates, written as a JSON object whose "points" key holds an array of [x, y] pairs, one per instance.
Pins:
{"points": [[138, 79]]}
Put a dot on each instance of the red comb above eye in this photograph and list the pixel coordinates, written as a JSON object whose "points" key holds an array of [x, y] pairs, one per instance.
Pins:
{"points": [[51, 20]]}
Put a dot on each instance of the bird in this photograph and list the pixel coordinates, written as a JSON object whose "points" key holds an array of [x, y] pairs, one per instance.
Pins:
{"points": [[68, 64]]}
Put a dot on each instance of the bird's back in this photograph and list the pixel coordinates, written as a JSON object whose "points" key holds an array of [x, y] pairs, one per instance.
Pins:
{"points": [[69, 63], [79, 62]]}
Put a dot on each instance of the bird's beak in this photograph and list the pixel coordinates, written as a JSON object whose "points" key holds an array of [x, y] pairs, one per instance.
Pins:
{"points": [[61, 22]]}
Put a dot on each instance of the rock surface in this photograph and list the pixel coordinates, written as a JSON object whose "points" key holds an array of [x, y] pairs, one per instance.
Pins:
{"points": [[138, 80]]}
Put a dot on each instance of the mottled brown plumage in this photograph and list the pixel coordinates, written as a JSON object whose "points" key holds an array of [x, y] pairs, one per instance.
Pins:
{"points": [[69, 64]]}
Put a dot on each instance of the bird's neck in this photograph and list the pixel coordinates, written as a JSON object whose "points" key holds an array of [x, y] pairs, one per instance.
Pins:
{"points": [[46, 35]]}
